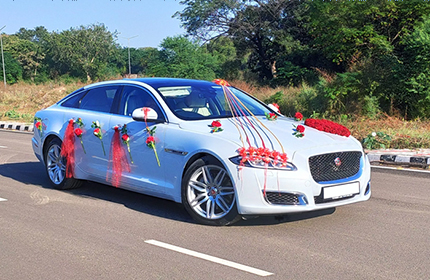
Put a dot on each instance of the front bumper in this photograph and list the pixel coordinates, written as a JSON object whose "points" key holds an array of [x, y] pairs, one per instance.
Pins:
{"points": [[253, 186]]}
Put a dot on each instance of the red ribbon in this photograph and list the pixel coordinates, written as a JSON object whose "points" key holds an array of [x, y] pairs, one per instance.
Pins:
{"points": [[118, 159], [68, 149]]}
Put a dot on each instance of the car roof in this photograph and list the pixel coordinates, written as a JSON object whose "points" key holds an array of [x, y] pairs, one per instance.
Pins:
{"points": [[166, 82]]}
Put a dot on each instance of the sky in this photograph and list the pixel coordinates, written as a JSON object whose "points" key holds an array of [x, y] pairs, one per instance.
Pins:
{"points": [[150, 20]]}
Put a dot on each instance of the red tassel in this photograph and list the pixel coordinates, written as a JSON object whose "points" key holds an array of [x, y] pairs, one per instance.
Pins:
{"points": [[68, 149], [118, 159]]}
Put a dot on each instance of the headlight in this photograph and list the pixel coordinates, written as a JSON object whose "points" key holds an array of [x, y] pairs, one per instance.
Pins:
{"points": [[261, 164]]}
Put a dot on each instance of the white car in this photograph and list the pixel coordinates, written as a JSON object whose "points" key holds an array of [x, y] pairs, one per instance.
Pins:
{"points": [[217, 150]]}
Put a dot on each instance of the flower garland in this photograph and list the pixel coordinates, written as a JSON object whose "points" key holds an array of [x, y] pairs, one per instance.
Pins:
{"points": [[216, 126], [39, 125], [79, 132], [263, 155], [126, 139], [328, 126], [98, 133]]}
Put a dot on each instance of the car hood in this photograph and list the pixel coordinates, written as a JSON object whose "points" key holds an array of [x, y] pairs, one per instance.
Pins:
{"points": [[283, 130]]}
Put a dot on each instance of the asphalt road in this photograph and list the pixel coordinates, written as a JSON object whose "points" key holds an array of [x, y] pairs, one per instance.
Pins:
{"points": [[99, 232]]}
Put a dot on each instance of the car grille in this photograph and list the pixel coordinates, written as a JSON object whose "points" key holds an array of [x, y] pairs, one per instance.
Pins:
{"points": [[324, 168], [282, 198]]}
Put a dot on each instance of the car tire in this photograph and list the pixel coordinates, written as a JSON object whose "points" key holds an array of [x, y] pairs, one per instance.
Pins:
{"points": [[55, 166], [208, 193]]}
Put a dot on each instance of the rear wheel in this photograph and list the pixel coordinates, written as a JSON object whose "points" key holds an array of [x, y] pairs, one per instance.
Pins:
{"points": [[55, 166], [208, 193]]}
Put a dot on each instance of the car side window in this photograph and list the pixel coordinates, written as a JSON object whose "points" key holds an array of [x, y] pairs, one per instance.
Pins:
{"points": [[133, 98], [73, 101], [99, 99]]}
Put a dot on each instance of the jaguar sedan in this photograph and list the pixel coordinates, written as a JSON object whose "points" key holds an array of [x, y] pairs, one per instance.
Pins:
{"points": [[217, 150]]}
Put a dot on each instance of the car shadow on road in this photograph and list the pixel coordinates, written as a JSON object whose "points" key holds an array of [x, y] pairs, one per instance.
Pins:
{"points": [[286, 218], [33, 173]]}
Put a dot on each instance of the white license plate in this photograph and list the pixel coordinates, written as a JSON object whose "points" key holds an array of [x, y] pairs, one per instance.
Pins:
{"points": [[340, 191]]}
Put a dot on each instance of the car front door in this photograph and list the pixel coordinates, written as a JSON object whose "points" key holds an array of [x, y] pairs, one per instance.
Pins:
{"points": [[146, 164]]}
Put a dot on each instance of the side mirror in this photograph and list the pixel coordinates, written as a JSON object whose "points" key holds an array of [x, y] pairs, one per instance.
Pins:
{"points": [[145, 114]]}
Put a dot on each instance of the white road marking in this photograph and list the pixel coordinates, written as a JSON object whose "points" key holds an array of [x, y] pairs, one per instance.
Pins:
{"points": [[3, 199], [210, 258], [4, 147]]}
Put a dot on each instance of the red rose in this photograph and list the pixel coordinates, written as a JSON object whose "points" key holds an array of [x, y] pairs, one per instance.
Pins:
{"points": [[298, 116], [125, 137], [272, 115], [96, 131], [38, 124], [216, 124], [300, 128], [78, 132], [276, 106], [150, 139]]}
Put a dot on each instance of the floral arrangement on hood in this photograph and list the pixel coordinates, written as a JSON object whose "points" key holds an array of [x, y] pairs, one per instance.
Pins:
{"points": [[271, 116], [328, 126], [299, 131]]}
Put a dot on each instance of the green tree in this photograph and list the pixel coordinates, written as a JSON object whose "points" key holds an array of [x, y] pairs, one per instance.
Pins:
{"points": [[30, 55], [258, 28], [84, 51], [416, 71], [180, 57], [12, 68], [224, 50]]}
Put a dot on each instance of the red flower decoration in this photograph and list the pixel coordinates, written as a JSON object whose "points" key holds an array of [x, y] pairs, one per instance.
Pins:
{"points": [[125, 138], [98, 133], [221, 82], [298, 116], [328, 126], [216, 126], [298, 131], [78, 132], [271, 116], [150, 141], [39, 125]]}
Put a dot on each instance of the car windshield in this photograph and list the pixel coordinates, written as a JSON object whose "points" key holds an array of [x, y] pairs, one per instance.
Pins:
{"points": [[210, 102]]}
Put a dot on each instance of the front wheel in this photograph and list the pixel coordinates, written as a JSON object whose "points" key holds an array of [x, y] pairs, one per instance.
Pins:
{"points": [[208, 193], [55, 166]]}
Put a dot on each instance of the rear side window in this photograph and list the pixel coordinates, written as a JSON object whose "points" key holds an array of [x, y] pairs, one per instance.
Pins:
{"points": [[99, 99], [73, 102]]}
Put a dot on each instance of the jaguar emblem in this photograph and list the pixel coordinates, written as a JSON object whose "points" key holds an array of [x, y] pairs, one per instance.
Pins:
{"points": [[337, 162]]}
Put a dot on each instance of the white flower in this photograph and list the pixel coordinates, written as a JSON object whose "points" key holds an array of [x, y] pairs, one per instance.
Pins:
{"points": [[374, 134]]}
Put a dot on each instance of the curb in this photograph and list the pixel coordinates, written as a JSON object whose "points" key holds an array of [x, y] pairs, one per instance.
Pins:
{"points": [[17, 126], [400, 160]]}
